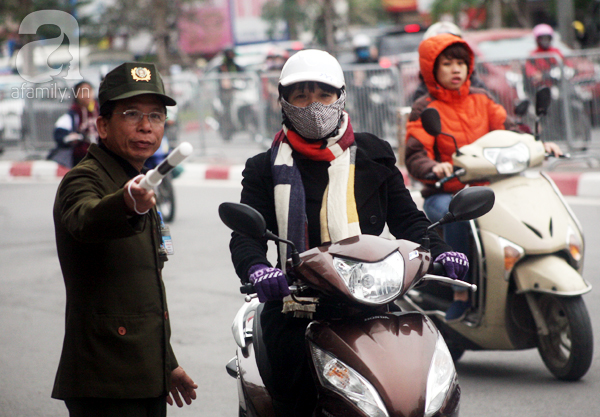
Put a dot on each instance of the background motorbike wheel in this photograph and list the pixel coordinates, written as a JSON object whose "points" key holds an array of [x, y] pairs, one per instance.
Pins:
{"points": [[165, 199], [568, 348], [456, 351]]}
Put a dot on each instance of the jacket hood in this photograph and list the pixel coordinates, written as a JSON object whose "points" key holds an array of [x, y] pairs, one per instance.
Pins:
{"points": [[429, 50]]}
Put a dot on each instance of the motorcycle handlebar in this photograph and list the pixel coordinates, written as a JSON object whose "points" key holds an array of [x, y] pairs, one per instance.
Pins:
{"points": [[438, 274], [438, 269], [457, 173], [247, 289]]}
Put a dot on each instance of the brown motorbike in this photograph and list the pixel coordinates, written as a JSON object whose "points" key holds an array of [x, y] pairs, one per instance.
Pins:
{"points": [[367, 359]]}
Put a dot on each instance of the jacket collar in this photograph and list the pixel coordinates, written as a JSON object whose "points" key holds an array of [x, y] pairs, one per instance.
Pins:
{"points": [[117, 168]]}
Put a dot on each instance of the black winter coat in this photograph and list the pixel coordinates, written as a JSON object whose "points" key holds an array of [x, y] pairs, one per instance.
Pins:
{"points": [[380, 192]]}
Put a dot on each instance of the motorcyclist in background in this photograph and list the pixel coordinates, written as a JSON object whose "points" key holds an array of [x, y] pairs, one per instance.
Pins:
{"points": [[370, 107], [320, 182], [75, 130], [467, 113], [437, 29], [274, 62], [537, 69], [365, 51], [226, 91]]}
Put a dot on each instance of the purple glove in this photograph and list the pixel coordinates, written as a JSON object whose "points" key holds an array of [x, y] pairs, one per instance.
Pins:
{"points": [[456, 264], [270, 283]]}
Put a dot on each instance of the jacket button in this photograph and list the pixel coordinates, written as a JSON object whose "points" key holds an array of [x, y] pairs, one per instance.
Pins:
{"points": [[166, 315], [373, 219], [122, 330]]}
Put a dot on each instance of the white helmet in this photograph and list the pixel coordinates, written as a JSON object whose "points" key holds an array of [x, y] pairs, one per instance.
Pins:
{"points": [[361, 41], [442, 27], [312, 65]]}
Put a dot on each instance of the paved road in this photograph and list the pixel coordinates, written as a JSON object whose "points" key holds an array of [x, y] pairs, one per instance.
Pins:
{"points": [[203, 299]]}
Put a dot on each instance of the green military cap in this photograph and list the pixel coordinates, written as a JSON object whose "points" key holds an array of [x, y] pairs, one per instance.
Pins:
{"points": [[133, 79]]}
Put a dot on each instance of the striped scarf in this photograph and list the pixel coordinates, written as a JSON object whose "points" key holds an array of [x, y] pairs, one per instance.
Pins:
{"points": [[339, 216]]}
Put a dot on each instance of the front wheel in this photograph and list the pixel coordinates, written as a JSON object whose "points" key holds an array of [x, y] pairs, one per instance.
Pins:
{"points": [[568, 348], [165, 199]]}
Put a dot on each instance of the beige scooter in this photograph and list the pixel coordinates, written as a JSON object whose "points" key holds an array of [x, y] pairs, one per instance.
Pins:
{"points": [[526, 258]]}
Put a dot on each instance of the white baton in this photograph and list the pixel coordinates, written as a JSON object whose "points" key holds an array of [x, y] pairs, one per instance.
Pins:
{"points": [[155, 176]]}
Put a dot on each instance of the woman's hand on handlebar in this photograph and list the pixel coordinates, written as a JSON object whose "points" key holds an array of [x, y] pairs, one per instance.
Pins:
{"points": [[553, 149], [270, 283], [443, 169]]}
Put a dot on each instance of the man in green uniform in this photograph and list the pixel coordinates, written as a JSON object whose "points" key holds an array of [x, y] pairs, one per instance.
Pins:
{"points": [[117, 358]]}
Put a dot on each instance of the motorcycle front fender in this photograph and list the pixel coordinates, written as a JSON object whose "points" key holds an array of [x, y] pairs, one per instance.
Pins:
{"points": [[549, 274], [392, 351]]}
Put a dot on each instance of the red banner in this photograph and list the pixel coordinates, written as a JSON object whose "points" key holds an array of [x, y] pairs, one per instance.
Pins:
{"points": [[205, 29]]}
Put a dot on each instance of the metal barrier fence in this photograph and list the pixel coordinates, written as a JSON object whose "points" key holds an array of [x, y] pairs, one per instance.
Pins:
{"points": [[575, 90], [245, 105]]}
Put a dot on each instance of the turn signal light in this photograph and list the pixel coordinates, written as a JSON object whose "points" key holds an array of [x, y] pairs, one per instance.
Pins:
{"points": [[512, 254], [575, 245]]}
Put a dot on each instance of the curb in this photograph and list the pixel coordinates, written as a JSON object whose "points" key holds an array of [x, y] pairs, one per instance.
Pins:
{"points": [[580, 184]]}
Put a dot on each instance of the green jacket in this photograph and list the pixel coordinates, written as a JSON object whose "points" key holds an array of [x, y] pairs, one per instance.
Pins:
{"points": [[117, 327]]}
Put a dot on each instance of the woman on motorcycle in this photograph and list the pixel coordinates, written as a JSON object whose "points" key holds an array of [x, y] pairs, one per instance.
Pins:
{"points": [[467, 113], [320, 182]]}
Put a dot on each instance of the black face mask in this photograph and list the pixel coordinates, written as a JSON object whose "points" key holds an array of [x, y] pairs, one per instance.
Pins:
{"points": [[544, 42]]}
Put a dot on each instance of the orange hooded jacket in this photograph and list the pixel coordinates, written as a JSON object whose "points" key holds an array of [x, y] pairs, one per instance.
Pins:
{"points": [[467, 114]]}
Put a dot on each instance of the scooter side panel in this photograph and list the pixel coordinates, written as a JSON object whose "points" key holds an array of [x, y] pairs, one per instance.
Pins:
{"points": [[528, 212], [491, 333], [393, 352], [549, 274], [256, 395]]}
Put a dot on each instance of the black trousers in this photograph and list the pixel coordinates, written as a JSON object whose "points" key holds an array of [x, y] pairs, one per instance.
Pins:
{"points": [[292, 386], [117, 407]]}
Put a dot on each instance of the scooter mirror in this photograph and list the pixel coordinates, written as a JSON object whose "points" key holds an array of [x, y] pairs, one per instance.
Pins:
{"points": [[470, 203], [243, 219], [542, 101], [521, 108], [430, 118]]}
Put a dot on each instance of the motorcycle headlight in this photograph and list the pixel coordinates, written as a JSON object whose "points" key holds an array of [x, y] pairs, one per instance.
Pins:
{"points": [[440, 377], [339, 377], [508, 160], [372, 283]]}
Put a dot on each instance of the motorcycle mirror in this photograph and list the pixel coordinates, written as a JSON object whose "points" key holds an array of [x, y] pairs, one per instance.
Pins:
{"points": [[542, 101], [521, 107], [243, 219], [470, 203], [467, 204], [247, 221], [430, 118]]}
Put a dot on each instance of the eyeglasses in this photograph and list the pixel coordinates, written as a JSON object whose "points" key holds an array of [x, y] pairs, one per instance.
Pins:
{"points": [[134, 117]]}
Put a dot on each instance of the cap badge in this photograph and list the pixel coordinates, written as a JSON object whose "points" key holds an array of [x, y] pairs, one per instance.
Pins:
{"points": [[140, 74]]}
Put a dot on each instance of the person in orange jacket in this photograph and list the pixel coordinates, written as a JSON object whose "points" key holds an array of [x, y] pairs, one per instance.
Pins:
{"points": [[467, 113]]}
